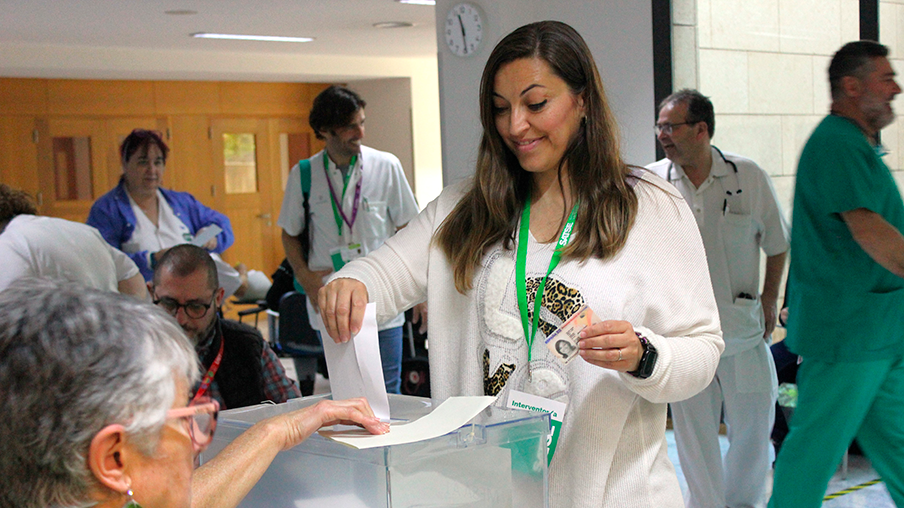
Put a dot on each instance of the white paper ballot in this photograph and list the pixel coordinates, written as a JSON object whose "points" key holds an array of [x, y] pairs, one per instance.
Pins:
{"points": [[355, 367], [449, 416], [205, 234]]}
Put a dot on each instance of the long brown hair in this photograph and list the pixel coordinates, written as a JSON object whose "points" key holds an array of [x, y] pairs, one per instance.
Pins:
{"points": [[490, 210]]}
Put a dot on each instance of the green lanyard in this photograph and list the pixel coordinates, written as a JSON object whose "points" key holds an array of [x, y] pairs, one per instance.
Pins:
{"points": [[336, 212], [521, 269]]}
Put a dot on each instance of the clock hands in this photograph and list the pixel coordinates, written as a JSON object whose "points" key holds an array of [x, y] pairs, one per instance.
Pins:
{"points": [[464, 40]]}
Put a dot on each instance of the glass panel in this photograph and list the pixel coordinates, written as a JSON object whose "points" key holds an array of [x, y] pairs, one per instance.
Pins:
{"points": [[240, 163], [72, 168]]}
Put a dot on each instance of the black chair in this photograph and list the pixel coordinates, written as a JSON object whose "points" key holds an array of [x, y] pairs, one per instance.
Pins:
{"points": [[415, 366], [259, 306], [298, 340]]}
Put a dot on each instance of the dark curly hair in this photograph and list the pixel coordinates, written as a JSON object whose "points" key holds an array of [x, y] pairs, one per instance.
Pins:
{"points": [[333, 108], [15, 202]]}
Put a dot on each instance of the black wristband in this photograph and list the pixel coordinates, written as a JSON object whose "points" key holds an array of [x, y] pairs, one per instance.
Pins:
{"points": [[647, 360]]}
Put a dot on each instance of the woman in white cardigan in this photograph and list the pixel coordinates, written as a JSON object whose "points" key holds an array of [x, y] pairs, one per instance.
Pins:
{"points": [[550, 180]]}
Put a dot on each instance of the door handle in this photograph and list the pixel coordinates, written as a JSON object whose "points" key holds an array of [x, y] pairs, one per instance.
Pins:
{"points": [[266, 216]]}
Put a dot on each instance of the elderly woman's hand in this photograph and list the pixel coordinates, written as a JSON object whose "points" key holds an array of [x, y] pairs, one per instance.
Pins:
{"points": [[299, 425], [342, 304], [611, 345]]}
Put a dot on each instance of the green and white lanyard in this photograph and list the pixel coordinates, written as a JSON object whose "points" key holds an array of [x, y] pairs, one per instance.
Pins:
{"points": [[338, 214], [530, 329]]}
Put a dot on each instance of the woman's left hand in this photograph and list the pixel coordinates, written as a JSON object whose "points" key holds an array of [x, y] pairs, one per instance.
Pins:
{"points": [[298, 425], [611, 345]]}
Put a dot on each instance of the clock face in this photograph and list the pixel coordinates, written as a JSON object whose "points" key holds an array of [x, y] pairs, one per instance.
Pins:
{"points": [[464, 29]]}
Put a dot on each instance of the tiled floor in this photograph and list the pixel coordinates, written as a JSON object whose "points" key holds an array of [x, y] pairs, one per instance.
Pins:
{"points": [[859, 472]]}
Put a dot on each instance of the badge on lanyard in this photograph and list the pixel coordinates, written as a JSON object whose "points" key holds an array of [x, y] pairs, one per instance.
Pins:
{"points": [[343, 254], [556, 410], [530, 326]]}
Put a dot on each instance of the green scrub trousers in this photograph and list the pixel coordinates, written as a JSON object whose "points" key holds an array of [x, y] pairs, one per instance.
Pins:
{"points": [[838, 402]]}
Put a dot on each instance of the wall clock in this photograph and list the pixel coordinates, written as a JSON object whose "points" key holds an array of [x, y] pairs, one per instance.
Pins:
{"points": [[464, 29]]}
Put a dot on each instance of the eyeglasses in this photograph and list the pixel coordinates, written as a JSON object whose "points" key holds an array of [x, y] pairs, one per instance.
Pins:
{"points": [[201, 415], [193, 310], [669, 127]]}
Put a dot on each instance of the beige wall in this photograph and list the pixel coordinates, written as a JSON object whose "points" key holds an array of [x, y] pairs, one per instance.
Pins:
{"points": [[891, 33], [764, 64], [617, 33], [388, 118]]}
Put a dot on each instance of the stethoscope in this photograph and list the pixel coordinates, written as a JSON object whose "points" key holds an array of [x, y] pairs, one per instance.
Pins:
{"points": [[728, 193]]}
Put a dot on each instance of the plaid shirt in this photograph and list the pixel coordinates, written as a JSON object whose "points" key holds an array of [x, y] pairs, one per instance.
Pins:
{"points": [[274, 383]]}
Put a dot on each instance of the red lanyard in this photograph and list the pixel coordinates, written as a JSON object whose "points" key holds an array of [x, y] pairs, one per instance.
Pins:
{"points": [[211, 372]]}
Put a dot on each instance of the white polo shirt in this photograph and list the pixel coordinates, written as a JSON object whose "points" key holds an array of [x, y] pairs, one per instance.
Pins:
{"points": [[386, 203], [734, 228]]}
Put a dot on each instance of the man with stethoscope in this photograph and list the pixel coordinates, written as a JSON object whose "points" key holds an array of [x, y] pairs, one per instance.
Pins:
{"points": [[357, 198], [738, 214]]}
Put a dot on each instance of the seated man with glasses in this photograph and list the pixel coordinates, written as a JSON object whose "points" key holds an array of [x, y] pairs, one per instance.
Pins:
{"points": [[238, 367]]}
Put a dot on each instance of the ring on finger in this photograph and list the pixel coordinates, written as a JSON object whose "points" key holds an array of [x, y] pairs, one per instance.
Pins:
{"points": [[619, 355]]}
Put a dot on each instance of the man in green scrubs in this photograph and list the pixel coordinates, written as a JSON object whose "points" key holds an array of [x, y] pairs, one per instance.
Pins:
{"points": [[846, 289]]}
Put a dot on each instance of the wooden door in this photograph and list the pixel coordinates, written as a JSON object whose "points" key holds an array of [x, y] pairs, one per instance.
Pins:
{"points": [[241, 158], [19, 153], [190, 166], [72, 166], [291, 140]]}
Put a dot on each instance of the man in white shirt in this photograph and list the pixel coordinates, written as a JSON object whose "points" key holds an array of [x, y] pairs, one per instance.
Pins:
{"points": [[32, 246], [358, 198], [737, 212]]}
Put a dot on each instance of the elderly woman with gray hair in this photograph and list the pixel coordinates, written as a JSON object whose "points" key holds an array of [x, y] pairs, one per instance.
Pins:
{"points": [[94, 393]]}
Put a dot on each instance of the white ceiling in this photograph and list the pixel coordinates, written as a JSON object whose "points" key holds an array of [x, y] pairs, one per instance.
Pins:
{"points": [[340, 27]]}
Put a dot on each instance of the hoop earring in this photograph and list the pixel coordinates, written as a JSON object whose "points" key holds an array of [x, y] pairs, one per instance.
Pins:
{"points": [[131, 503]]}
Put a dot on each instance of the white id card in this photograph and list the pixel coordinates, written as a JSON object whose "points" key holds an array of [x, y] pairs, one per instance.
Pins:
{"points": [[343, 254], [556, 410]]}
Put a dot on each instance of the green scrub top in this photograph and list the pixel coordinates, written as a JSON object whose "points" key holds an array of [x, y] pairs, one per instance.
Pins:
{"points": [[843, 306]]}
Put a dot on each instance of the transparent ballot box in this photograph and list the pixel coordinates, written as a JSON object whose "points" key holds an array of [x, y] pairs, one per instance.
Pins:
{"points": [[496, 460]]}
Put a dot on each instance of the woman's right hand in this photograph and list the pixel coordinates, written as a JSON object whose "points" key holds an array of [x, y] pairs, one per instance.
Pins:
{"points": [[342, 304]]}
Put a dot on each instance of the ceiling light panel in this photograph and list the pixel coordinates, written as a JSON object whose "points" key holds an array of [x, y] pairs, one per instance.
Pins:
{"points": [[243, 37]]}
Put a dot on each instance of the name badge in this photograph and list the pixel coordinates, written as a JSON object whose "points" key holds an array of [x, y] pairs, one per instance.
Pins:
{"points": [[342, 255], [556, 410]]}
